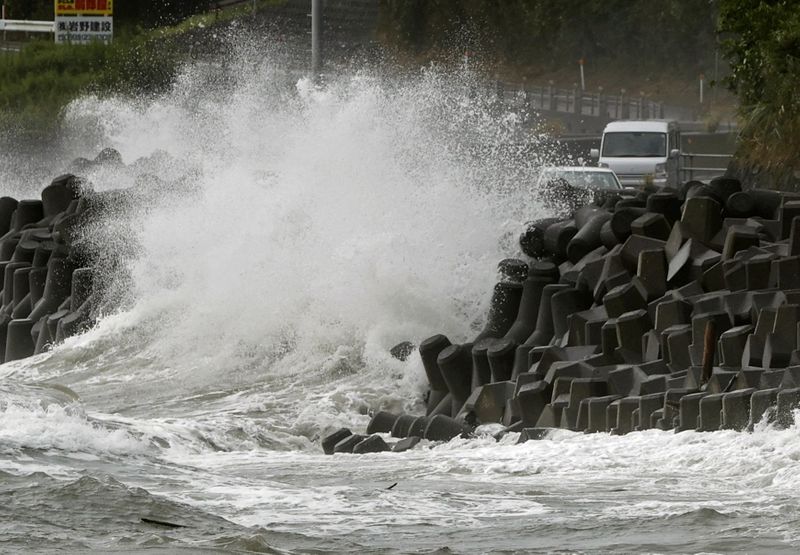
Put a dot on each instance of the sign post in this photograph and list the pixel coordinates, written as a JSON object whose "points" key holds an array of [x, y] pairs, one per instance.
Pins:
{"points": [[84, 21], [702, 82]]}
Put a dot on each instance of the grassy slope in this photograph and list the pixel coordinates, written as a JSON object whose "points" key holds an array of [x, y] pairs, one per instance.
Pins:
{"points": [[37, 83]]}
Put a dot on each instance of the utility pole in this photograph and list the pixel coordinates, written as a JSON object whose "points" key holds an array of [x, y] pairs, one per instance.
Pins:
{"points": [[316, 27]]}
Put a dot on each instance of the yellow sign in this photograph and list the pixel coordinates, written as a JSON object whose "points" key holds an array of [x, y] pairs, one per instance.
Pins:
{"points": [[84, 7]]}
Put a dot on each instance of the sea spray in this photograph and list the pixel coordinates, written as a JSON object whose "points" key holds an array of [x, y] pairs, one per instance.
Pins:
{"points": [[288, 236]]}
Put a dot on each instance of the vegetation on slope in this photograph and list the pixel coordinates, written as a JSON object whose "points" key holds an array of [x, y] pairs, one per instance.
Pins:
{"points": [[762, 41]]}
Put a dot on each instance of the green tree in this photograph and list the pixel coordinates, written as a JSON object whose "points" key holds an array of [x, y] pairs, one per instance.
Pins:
{"points": [[761, 41]]}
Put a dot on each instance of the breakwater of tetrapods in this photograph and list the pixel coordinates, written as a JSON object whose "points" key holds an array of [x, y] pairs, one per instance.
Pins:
{"points": [[667, 309]]}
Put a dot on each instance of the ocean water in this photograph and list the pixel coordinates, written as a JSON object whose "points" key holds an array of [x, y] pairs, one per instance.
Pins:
{"points": [[280, 237]]}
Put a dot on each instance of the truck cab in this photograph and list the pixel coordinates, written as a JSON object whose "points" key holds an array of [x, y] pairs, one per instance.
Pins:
{"points": [[641, 152]]}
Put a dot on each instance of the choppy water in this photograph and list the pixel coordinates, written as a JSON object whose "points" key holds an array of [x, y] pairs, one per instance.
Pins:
{"points": [[300, 233]]}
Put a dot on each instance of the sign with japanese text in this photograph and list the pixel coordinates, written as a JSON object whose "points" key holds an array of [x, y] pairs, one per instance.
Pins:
{"points": [[84, 7], [84, 21], [83, 30]]}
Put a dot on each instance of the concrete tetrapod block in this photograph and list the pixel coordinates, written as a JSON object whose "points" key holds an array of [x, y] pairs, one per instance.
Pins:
{"points": [[721, 380], [634, 245], [736, 409], [58, 287], [753, 352], [702, 218], [565, 303], [788, 403], [550, 417], [622, 219], [503, 310], [568, 394], [417, 427], [763, 405], [747, 378], [597, 406], [788, 271], [607, 237], [330, 441], [588, 237], [531, 240], [794, 237], [625, 410], [557, 236], [671, 410], [382, 422], [630, 328], [648, 404], [347, 444], [666, 203], [455, 363], [19, 342], [402, 425], [758, 271], [690, 411], [405, 444], [429, 350], [771, 379], [651, 225], [25, 251], [739, 238], [580, 322], [732, 343], [791, 378], [652, 272], [28, 212], [491, 400], [8, 281], [624, 298], [532, 434], [481, 370], [608, 336], [500, 356], [7, 207], [672, 313], [789, 210], [531, 400], [675, 341], [444, 428], [371, 444], [544, 320], [512, 269], [777, 351]]}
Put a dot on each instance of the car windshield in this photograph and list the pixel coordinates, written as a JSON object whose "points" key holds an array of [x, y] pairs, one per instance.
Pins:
{"points": [[634, 144], [597, 181]]}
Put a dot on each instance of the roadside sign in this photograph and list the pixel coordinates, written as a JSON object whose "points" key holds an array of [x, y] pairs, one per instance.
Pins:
{"points": [[84, 7], [83, 30], [84, 21]]}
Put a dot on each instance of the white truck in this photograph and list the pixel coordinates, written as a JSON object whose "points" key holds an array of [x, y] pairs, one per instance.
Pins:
{"points": [[641, 152]]}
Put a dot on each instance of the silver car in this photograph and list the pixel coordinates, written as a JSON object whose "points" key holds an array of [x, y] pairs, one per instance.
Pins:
{"points": [[563, 189]]}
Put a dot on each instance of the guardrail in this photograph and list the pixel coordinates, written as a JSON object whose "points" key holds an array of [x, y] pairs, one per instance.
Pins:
{"points": [[689, 171], [587, 103], [18, 25]]}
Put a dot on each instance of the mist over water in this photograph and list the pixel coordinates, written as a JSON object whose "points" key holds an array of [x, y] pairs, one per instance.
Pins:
{"points": [[278, 237]]}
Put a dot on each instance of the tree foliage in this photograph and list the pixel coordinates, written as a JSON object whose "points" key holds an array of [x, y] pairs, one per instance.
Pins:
{"points": [[762, 43], [639, 33]]}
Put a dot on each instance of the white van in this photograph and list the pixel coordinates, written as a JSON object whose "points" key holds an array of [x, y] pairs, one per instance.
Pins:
{"points": [[640, 152]]}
